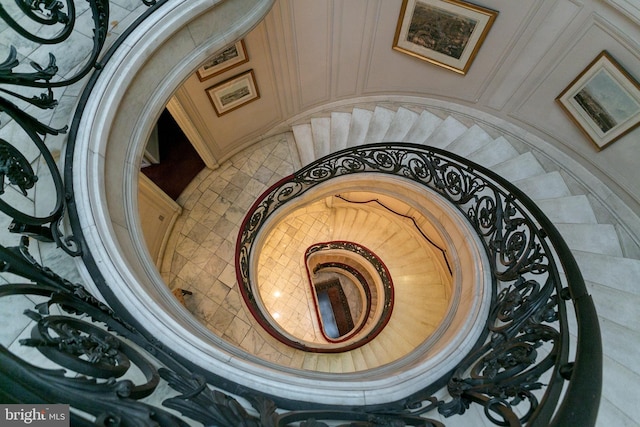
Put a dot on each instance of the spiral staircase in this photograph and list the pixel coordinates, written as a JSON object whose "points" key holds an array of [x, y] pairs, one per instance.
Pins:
{"points": [[604, 242], [606, 259], [608, 270]]}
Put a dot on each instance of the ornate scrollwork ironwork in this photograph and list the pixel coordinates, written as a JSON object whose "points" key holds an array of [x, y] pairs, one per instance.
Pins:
{"points": [[526, 331], [59, 17]]}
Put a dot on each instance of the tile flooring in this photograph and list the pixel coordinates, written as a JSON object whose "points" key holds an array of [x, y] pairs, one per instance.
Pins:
{"points": [[200, 259], [200, 250]]}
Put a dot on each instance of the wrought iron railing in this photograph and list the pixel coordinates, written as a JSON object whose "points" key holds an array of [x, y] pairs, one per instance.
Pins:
{"points": [[528, 312], [89, 350], [376, 317]]}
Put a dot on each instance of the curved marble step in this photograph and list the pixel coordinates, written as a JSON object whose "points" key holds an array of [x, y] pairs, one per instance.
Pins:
{"points": [[420, 296], [611, 278]]}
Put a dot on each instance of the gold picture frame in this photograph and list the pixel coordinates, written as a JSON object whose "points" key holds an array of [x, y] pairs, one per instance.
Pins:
{"points": [[447, 33], [233, 93], [226, 59], [603, 101]]}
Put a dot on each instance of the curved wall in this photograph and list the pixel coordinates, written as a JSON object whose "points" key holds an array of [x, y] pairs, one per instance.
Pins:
{"points": [[309, 54], [160, 55], [114, 126]]}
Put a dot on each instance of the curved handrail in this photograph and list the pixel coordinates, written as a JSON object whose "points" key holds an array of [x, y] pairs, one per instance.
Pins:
{"points": [[377, 317], [505, 366], [522, 245]]}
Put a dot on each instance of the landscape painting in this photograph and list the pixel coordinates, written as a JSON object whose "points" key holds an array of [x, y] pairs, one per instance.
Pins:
{"points": [[604, 101], [440, 30], [228, 58], [448, 33], [233, 93]]}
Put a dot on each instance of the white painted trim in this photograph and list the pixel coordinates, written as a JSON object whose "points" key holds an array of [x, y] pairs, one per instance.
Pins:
{"points": [[191, 132]]}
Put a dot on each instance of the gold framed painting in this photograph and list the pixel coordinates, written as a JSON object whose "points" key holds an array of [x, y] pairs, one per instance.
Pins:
{"points": [[233, 93], [447, 33], [226, 59], [603, 101]]}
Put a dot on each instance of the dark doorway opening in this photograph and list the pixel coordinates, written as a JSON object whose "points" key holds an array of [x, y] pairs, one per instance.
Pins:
{"points": [[179, 161]]}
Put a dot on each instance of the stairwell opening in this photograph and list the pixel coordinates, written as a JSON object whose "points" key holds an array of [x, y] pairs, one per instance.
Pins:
{"points": [[112, 229], [428, 259]]}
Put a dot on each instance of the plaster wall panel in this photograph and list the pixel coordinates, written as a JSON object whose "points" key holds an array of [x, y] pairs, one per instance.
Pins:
{"points": [[281, 49], [618, 161], [351, 44], [629, 8], [225, 134], [542, 31], [394, 71], [312, 38]]}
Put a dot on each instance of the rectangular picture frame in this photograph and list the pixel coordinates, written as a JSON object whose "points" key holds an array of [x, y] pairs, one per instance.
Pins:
{"points": [[233, 93], [226, 59], [603, 101], [447, 33]]}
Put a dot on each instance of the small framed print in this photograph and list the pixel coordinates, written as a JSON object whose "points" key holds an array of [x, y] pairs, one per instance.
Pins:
{"points": [[226, 59], [603, 101], [447, 33], [233, 93]]}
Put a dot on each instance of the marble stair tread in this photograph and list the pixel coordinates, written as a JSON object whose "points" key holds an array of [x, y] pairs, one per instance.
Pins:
{"points": [[386, 350], [339, 130], [335, 363], [404, 332], [570, 210], [379, 124], [358, 358], [324, 363], [297, 359], [402, 122], [596, 238], [621, 344], [423, 127], [610, 415], [447, 132], [345, 220], [497, 151], [369, 355], [418, 266], [548, 186], [618, 381], [310, 362], [321, 132], [304, 143], [359, 126], [394, 346], [615, 272], [523, 166], [361, 225], [422, 319], [471, 140], [426, 283], [617, 306], [346, 360]]}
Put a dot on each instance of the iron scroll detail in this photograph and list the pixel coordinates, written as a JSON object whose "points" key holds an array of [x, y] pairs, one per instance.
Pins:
{"points": [[527, 331], [523, 362]]}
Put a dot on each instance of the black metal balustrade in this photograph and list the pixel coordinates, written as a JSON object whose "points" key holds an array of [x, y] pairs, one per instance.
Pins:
{"points": [[96, 347]]}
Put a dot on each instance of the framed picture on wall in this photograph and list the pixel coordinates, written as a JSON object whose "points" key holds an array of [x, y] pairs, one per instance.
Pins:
{"points": [[233, 93], [447, 33], [226, 59], [603, 101]]}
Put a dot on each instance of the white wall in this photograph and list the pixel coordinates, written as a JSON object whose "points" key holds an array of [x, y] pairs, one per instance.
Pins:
{"points": [[307, 53]]}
